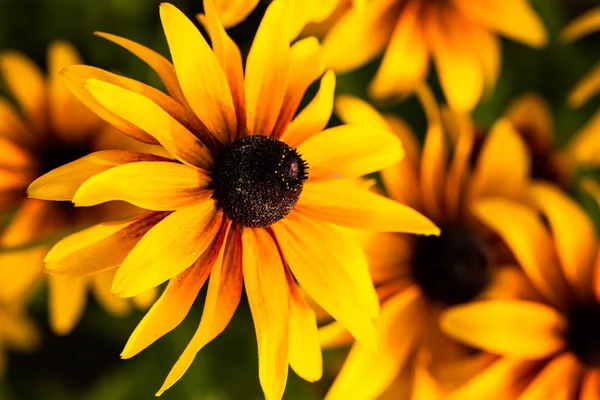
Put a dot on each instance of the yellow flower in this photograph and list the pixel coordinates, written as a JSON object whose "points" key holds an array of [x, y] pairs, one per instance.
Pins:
{"points": [[416, 278], [548, 338], [17, 333], [459, 35], [252, 196], [52, 128]]}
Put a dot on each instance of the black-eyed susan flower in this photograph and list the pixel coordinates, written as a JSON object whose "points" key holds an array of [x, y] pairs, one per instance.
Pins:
{"points": [[17, 333], [550, 340], [50, 128], [460, 36], [252, 198], [416, 278]]}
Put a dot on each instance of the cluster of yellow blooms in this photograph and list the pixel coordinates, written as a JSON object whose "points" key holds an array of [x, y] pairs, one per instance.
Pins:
{"points": [[476, 277]]}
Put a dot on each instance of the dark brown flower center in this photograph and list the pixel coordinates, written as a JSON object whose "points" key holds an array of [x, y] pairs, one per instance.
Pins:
{"points": [[258, 180], [57, 153], [452, 268], [583, 334]]}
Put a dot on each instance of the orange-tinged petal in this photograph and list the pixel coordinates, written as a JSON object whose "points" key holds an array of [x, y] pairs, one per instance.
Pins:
{"points": [[457, 64], [574, 236], [99, 248], [202, 79], [11, 125], [306, 65], [101, 283], [360, 35], [268, 70], [176, 301], [68, 116], [508, 327], [324, 271], [367, 373], [503, 164], [509, 282], [168, 248], [350, 151], [230, 58], [26, 83], [515, 19], [269, 299], [14, 156], [232, 12], [348, 204], [590, 386], [222, 299], [158, 63], [152, 119], [586, 88], [433, 170], [314, 117], [558, 380], [406, 59], [62, 182], [158, 186], [531, 115], [305, 350], [583, 25], [531, 244], [66, 302]]}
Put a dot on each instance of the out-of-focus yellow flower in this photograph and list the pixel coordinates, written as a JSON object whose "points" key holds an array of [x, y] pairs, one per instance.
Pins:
{"points": [[549, 341], [237, 205], [17, 333], [460, 36], [51, 128], [416, 278]]}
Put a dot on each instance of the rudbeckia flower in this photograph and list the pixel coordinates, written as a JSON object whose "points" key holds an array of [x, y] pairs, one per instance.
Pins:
{"points": [[17, 333], [416, 278], [252, 198], [51, 128], [460, 36], [550, 340]]}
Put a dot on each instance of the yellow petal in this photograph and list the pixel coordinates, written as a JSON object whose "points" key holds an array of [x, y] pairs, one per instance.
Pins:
{"points": [[306, 11], [489, 50], [176, 301], [586, 88], [269, 299], [314, 117], [201, 77], [433, 170], [268, 70], [232, 12], [62, 182], [305, 349], [334, 335], [355, 111], [457, 63], [347, 204], [143, 301], [168, 248], [158, 63], [306, 66], [101, 283], [584, 146], [158, 186], [155, 121], [515, 19], [99, 248], [532, 116], [68, 116], [366, 374], [508, 327], [222, 298], [350, 151], [583, 25], [527, 238], [324, 271], [26, 83], [406, 59], [360, 35], [559, 379], [66, 302], [574, 235], [503, 164]]}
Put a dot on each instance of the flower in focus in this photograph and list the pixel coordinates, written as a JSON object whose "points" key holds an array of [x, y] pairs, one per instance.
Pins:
{"points": [[17, 333], [252, 197], [550, 338], [50, 129], [416, 278], [459, 35]]}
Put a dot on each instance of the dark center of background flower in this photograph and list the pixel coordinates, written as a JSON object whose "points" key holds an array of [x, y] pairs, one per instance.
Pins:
{"points": [[56, 153], [258, 180], [452, 268], [583, 333]]}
